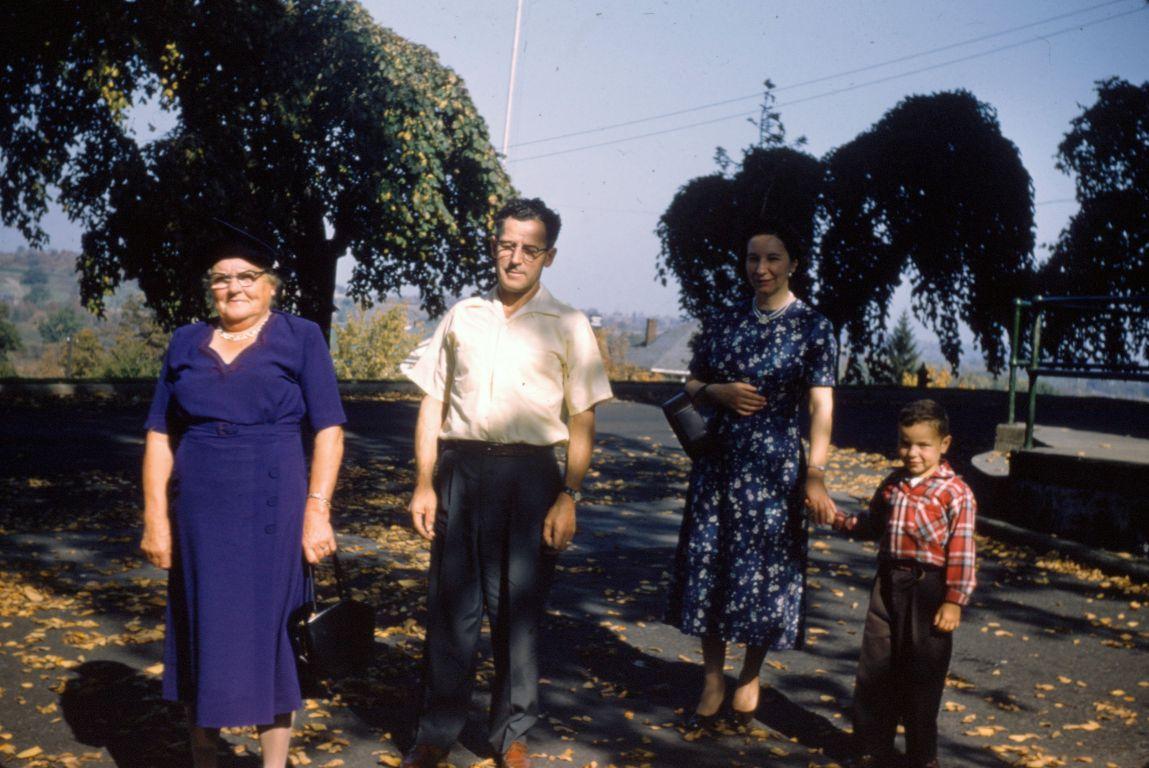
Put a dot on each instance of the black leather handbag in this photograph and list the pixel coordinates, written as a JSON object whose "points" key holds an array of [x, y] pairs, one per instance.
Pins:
{"points": [[331, 640], [690, 426]]}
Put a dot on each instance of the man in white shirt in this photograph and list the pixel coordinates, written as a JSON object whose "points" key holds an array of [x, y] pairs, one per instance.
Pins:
{"points": [[506, 377]]}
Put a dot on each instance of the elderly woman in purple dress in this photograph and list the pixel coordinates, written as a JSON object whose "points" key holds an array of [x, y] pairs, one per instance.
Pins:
{"points": [[230, 507]]}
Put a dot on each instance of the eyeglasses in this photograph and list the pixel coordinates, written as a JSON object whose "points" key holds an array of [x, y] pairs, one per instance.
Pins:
{"points": [[504, 249], [218, 281]]}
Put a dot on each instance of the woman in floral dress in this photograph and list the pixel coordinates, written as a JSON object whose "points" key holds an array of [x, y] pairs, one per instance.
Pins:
{"points": [[740, 569]]}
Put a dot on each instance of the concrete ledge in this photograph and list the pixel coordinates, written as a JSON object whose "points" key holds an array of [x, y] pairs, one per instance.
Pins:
{"points": [[1107, 562]]}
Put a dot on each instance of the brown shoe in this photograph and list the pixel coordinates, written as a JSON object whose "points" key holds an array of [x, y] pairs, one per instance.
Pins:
{"points": [[424, 756], [516, 756]]}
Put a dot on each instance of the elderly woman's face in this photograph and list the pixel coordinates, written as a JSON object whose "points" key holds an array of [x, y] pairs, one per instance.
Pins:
{"points": [[768, 266], [241, 290]]}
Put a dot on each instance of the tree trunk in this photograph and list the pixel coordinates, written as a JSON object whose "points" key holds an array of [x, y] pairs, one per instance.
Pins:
{"points": [[316, 270]]}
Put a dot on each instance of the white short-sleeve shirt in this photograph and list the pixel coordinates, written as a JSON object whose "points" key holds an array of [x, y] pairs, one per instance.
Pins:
{"points": [[511, 379]]}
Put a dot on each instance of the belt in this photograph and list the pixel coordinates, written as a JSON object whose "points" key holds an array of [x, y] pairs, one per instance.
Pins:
{"points": [[228, 429], [496, 449], [912, 566]]}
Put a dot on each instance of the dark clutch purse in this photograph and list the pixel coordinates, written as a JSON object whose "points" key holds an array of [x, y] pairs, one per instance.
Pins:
{"points": [[690, 427], [331, 640]]}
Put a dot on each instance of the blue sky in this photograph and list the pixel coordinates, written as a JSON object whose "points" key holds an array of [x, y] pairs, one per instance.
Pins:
{"points": [[586, 65]]}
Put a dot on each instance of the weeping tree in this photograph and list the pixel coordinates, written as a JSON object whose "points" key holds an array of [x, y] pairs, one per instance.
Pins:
{"points": [[932, 191], [1104, 251], [306, 121], [705, 229]]}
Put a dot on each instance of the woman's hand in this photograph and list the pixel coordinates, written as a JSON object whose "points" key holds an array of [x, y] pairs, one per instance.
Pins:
{"points": [[818, 501], [318, 536], [156, 544], [738, 396]]}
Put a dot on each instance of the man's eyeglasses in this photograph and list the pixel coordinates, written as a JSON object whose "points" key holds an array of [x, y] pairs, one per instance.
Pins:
{"points": [[504, 249], [219, 281]]}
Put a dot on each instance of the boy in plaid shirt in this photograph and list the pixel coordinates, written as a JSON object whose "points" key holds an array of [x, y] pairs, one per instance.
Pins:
{"points": [[924, 516]]}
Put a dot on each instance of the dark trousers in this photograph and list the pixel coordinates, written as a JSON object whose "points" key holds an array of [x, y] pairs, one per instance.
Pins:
{"points": [[487, 552], [902, 670]]}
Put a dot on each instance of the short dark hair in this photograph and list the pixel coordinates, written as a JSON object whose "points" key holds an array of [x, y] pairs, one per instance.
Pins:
{"points": [[920, 411], [530, 209], [795, 245]]}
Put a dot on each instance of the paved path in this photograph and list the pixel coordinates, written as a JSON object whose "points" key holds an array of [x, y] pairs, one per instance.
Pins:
{"points": [[1050, 663]]}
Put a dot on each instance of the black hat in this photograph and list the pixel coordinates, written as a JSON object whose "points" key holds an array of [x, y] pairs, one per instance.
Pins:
{"points": [[234, 241]]}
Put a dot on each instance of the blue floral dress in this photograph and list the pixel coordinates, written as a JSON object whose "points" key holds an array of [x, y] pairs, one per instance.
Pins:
{"points": [[740, 568]]}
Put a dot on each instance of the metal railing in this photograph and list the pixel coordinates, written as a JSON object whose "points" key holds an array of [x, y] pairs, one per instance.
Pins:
{"points": [[1134, 306]]}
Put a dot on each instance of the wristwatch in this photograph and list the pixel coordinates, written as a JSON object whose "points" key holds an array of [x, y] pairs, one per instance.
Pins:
{"points": [[575, 495]]}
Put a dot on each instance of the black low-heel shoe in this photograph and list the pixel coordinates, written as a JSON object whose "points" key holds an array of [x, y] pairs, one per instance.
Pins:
{"points": [[744, 719], [695, 722]]}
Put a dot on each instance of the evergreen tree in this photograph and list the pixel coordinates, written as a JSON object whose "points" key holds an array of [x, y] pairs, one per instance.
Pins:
{"points": [[9, 341], [900, 354]]}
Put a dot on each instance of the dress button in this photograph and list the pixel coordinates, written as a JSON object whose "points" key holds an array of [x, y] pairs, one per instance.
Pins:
{"points": [[272, 501], [273, 472], [269, 529]]}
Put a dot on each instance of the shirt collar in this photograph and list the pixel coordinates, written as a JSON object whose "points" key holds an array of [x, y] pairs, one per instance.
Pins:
{"points": [[542, 303], [943, 472]]}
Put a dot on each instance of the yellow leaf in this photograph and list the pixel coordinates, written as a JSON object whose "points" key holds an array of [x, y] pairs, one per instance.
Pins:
{"points": [[30, 752]]}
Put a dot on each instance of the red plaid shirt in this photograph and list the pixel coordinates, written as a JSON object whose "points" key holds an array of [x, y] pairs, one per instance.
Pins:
{"points": [[931, 522]]}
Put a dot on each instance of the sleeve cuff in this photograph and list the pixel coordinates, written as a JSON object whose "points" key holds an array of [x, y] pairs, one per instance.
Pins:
{"points": [[954, 596]]}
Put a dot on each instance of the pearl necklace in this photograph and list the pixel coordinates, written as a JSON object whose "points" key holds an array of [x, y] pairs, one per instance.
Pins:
{"points": [[766, 317], [250, 333]]}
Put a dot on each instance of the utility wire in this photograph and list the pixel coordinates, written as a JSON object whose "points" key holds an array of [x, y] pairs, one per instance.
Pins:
{"points": [[836, 91], [817, 80]]}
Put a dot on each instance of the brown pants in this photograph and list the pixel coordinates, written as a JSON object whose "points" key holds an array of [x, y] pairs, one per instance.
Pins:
{"points": [[902, 670]]}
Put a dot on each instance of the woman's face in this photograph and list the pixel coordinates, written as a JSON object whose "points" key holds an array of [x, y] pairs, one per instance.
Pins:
{"points": [[768, 266], [235, 302]]}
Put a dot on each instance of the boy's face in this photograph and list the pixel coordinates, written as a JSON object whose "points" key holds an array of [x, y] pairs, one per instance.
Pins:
{"points": [[921, 448]]}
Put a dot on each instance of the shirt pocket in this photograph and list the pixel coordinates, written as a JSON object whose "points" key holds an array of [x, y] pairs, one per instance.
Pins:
{"points": [[928, 523]]}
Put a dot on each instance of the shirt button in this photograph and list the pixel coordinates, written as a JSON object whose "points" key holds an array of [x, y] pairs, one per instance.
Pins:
{"points": [[272, 501], [269, 529]]}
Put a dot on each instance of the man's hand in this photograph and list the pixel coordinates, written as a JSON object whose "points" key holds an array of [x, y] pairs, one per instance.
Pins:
{"points": [[559, 527], [948, 617], [819, 502], [422, 507], [156, 544], [738, 396]]}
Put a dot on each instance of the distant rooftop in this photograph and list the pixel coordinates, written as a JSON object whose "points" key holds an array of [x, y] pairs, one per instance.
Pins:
{"points": [[669, 353]]}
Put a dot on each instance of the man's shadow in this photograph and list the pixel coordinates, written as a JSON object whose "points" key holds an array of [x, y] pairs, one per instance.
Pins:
{"points": [[111, 705]]}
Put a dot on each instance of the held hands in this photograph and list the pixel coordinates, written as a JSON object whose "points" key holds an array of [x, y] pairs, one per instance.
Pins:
{"points": [[156, 544], [948, 617], [738, 396], [318, 536], [559, 527], [422, 508], [818, 501]]}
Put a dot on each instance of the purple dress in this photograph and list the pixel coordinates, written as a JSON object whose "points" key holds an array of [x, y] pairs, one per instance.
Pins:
{"points": [[238, 490]]}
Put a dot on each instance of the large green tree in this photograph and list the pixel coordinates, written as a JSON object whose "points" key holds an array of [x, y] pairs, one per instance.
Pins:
{"points": [[331, 134], [1104, 251], [705, 228], [934, 192]]}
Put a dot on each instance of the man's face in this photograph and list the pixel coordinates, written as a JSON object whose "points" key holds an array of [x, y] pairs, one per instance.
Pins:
{"points": [[520, 252]]}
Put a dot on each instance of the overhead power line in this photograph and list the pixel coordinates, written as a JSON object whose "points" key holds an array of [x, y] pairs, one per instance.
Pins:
{"points": [[825, 94]]}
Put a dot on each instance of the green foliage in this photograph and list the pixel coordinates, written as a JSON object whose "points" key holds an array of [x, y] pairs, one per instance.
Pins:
{"points": [[138, 344], [9, 341], [705, 229], [371, 345], [59, 325], [306, 118], [88, 358], [1105, 249], [935, 190], [900, 354]]}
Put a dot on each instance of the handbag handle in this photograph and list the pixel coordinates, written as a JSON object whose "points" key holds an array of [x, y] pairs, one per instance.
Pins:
{"points": [[340, 583]]}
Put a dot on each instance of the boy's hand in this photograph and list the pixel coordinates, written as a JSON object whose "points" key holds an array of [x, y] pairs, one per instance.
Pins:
{"points": [[948, 617]]}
